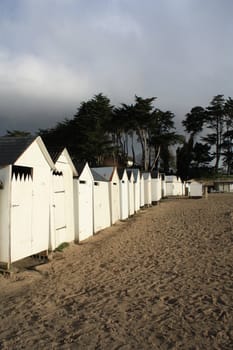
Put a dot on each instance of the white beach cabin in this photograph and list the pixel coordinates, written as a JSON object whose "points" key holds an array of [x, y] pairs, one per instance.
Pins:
{"points": [[25, 172], [180, 188], [170, 181], [147, 188], [156, 187], [131, 191], [142, 191], [124, 196], [110, 174], [136, 174], [195, 189], [101, 202], [62, 206], [174, 186], [83, 203], [164, 187]]}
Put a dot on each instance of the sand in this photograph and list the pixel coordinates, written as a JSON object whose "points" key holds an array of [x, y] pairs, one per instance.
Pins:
{"points": [[160, 280]]}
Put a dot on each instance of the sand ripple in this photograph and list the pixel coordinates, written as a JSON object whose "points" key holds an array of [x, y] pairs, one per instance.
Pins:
{"points": [[161, 280]]}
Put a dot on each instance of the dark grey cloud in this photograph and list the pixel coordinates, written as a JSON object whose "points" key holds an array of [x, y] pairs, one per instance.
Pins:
{"points": [[56, 53]]}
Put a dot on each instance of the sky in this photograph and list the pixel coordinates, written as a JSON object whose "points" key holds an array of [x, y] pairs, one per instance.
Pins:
{"points": [[54, 54]]}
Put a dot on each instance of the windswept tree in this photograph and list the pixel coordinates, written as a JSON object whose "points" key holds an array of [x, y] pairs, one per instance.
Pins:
{"points": [[92, 122], [193, 154], [98, 130], [143, 119], [184, 156], [86, 135], [134, 120], [60, 135], [193, 159], [194, 121], [152, 128], [227, 144], [201, 155], [216, 123], [122, 130], [162, 137]]}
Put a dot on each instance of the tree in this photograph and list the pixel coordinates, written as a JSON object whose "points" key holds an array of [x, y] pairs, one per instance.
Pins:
{"points": [[201, 156], [92, 123], [193, 155], [193, 159], [135, 119], [99, 130], [122, 128], [153, 128], [162, 137], [86, 135], [195, 120], [227, 145], [214, 119], [215, 122], [184, 156], [143, 118]]}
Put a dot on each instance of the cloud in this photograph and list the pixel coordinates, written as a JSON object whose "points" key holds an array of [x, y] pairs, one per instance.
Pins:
{"points": [[56, 53], [32, 88], [31, 76]]}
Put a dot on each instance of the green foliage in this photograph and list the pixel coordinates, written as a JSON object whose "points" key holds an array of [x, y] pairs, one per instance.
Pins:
{"points": [[61, 247], [215, 122], [86, 135], [184, 159], [153, 128], [98, 130], [162, 137], [201, 155], [216, 144], [195, 120]]}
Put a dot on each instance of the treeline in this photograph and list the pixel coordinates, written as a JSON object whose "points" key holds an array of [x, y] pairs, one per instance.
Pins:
{"points": [[210, 140], [100, 132]]}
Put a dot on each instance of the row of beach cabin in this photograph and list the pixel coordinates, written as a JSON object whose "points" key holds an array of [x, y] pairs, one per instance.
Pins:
{"points": [[45, 200]]}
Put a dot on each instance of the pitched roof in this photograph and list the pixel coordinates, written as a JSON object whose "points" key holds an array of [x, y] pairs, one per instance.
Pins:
{"points": [[146, 175], [129, 173], [154, 174], [55, 152], [136, 173], [11, 148], [97, 177], [106, 172], [79, 166], [120, 172]]}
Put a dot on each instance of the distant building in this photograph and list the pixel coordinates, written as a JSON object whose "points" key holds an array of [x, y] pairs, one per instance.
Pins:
{"points": [[223, 185]]}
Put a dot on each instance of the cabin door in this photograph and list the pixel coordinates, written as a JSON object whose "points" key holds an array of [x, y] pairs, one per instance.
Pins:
{"points": [[115, 202], [59, 210], [21, 240], [85, 194]]}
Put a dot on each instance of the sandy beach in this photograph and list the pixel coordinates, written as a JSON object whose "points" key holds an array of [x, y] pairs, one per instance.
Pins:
{"points": [[161, 280]]}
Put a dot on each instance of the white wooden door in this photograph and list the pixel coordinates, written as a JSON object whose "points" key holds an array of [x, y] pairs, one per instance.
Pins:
{"points": [[59, 210], [85, 208], [124, 200], [131, 197], [115, 201], [21, 238]]}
